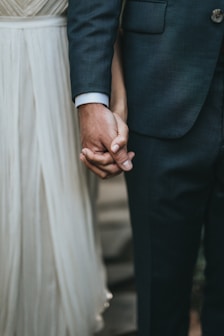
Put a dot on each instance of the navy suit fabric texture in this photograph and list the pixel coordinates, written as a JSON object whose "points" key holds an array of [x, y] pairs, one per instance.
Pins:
{"points": [[170, 49]]}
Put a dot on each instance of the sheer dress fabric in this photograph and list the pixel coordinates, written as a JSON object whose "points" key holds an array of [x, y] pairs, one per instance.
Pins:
{"points": [[52, 282]]}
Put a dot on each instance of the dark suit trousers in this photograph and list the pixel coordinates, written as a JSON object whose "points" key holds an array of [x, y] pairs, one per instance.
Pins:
{"points": [[175, 189]]}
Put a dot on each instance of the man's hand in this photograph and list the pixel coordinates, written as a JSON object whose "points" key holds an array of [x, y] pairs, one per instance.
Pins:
{"points": [[104, 138]]}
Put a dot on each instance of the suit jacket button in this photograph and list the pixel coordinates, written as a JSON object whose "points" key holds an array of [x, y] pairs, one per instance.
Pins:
{"points": [[217, 15]]}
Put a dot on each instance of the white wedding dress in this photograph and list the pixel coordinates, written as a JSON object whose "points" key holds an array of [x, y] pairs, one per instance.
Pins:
{"points": [[51, 278]]}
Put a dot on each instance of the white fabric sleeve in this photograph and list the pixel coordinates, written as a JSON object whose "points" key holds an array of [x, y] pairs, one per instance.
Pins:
{"points": [[92, 97]]}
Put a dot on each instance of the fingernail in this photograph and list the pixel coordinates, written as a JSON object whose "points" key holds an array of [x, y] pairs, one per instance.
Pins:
{"points": [[115, 148], [84, 151], [127, 164]]}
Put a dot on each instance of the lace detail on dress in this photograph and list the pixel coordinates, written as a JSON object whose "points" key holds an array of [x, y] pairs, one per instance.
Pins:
{"points": [[26, 8]]}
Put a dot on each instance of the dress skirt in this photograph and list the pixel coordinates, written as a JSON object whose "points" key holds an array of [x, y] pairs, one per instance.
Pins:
{"points": [[51, 279]]}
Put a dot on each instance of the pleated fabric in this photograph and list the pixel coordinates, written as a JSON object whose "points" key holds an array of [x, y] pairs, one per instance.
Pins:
{"points": [[52, 281]]}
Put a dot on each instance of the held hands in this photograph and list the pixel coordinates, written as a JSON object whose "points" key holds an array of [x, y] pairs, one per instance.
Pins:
{"points": [[104, 137]]}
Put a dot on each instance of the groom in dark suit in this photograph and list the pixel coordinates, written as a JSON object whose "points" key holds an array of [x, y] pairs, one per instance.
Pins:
{"points": [[173, 61]]}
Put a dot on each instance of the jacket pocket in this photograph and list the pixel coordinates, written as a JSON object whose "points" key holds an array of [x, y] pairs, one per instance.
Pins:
{"points": [[144, 16]]}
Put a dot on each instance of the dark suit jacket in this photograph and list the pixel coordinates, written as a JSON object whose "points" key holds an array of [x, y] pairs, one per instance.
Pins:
{"points": [[170, 50]]}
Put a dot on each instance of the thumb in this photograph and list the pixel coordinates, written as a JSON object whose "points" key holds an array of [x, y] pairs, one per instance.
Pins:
{"points": [[122, 135], [123, 159], [119, 145]]}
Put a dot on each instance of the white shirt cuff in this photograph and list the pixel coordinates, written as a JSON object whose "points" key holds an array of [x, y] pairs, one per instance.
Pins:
{"points": [[92, 97]]}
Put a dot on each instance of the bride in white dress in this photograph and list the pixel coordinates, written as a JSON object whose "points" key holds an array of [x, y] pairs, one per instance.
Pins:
{"points": [[51, 279]]}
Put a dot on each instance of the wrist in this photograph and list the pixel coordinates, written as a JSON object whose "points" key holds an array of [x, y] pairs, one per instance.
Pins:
{"points": [[90, 106], [120, 108], [92, 111]]}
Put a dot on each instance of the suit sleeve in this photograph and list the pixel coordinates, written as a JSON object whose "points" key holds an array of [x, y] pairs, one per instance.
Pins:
{"points": [[92, 29]]}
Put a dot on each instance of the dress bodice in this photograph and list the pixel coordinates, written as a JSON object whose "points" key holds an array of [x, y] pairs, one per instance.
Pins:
{"points": [[25, 8]]}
